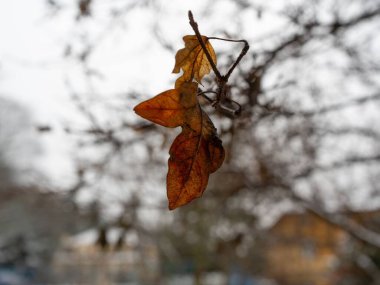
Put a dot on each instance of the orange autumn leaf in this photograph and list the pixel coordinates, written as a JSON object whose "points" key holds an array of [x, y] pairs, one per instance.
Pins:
{"points": [[169, 108], [192, 60], [196, 152], [164, 109]]}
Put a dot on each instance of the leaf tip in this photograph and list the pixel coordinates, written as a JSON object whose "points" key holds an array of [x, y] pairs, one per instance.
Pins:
{"points": [[177, 204], [136, 108], [172, 206]]}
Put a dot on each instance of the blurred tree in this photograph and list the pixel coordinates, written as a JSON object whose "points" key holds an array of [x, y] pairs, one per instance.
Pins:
{"points": [[17, 145], [32, 219], [307, 136]]}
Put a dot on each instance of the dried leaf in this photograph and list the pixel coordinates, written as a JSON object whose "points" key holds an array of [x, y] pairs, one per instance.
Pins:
{"points": [[193, 157], [196, 152], [164, 109], [193, 60], [169, 108]]}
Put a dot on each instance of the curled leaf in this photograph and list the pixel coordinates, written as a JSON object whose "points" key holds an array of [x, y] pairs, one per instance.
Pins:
{"points": [[193, 60]]}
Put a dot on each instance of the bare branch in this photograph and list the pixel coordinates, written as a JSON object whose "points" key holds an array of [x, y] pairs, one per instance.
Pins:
{"points": [[194, 25]]}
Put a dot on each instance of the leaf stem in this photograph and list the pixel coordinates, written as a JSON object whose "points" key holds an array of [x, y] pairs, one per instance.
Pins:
{"points": [[203, 94], [206, 97]]}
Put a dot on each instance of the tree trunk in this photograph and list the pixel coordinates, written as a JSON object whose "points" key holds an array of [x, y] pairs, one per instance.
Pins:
{"points": [[198, 276]]}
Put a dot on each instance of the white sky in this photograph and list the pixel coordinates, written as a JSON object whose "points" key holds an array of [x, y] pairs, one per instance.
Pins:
{"points": [[33, 70]]}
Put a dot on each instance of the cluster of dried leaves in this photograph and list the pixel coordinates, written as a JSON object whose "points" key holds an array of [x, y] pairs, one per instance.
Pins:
{"points": [[197, 151]]}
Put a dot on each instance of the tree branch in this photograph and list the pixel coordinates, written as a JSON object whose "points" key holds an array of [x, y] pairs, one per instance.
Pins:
{"points": [[194, 25]]}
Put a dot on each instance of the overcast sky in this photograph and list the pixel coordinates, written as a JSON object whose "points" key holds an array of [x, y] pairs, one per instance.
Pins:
{"points": [[127, 57], [33, 69]]}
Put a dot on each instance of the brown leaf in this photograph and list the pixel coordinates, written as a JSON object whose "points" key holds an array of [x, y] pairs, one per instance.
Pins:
{"points": [[194, 155], [215, 149], [193, 158], [193, 60]]}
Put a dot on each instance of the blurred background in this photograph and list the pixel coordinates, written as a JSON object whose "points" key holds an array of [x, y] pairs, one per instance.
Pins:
{"points": [[82, 178]]}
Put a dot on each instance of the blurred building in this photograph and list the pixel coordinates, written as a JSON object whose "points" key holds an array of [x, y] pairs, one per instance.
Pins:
{"points": [[304, 249], [32, 221], [106, 257], [300, 249]]}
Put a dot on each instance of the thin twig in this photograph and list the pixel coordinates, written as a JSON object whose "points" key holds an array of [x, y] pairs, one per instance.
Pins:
{"points": [[221, 94], [228, 109], [203, 94], [194, 25], [241, 55], [227, 40]]}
